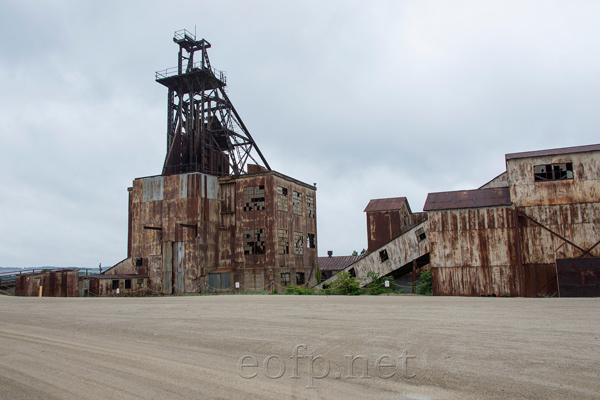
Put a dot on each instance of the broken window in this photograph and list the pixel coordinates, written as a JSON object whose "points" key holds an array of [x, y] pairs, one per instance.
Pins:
{"points": [[254, 198], [139, 262], [115, 284], [310, 241], [283, 241], [310, 206], [300, 278], [298, 243], [297, 200], [285, 279], [282, 200], [127, 283], [421, 234], [140, 283], [553, 172], [383, 255], [254, 241]]}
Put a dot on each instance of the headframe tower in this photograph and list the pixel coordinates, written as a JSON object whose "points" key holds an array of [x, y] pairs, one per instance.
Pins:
{"points": [[204, 131]]}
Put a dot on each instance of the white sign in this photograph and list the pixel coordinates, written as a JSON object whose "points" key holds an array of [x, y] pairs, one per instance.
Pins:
{"points": [[387, 283], [117, 290], [237, 285]]}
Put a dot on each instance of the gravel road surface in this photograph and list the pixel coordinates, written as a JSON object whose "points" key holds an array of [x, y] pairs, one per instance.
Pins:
{"points": [[300, 347]]}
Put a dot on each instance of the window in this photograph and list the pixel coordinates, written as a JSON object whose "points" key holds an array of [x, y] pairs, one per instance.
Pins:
{"points": [[139, 262], [310, 206], [127, 283], [140, 283], [254, 241], [297, 200], [300, 278], [282, 199], [310, 241], [383, 255], [421, 234], [115, 284], [298, 243], [553, 172], [254, 198], [285, 279], [283, 241]]}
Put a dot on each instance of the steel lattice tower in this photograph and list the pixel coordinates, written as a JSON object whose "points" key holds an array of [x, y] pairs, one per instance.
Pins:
{"points": [[204, 131]]}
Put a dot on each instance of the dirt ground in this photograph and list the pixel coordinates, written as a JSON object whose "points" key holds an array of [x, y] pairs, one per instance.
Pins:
{"points": [[274, 347]]}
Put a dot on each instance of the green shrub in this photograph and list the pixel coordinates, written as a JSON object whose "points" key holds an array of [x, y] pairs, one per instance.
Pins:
{"points": [[345, 284], [424, 284], [301, 290]]}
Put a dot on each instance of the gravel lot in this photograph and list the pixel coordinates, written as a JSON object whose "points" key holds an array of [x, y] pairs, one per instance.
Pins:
{"points": [[272, 347]]}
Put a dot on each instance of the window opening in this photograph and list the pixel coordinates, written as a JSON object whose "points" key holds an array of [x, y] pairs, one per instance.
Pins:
{"points": [[254, 241], [254, 198], [383, 255], [300, 278], [297, 202], [298, 243], [285, 279], [421, 235], [283, 241], [553, 172], [310, 206], [282, 199], [310, 241]]}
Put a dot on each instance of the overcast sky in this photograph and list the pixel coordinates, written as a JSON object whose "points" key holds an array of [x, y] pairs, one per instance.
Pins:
{"points": [[369, 99]]}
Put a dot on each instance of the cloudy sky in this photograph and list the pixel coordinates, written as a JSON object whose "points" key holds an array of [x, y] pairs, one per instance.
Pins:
{"points": [[369, 99]]}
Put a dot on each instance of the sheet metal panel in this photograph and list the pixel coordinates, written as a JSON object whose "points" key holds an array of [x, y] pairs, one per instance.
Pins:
{"points": [[212, 187], [401, 252], [179, 267], [152, 189], [167, 268], [183, 185], [579, 277]]}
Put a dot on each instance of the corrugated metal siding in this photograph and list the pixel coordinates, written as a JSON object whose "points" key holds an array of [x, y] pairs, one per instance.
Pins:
{"points": [[197, 226], [579, 277], [54, 284], [401, 252], [153, 188], [472, 252], [583, 188]]}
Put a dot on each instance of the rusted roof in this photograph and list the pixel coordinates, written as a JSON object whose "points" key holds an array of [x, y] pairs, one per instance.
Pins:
{"points": [[467, 199], [393, 203], [553, 152], [119, 276], [337, 263]]}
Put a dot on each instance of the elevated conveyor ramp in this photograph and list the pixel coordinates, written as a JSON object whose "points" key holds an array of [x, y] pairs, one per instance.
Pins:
{"points": [[395, 258]]}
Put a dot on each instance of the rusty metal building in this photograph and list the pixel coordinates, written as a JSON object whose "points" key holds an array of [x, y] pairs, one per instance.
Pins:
{"points": [[398, 243], [217, 218], [331, 264], [532, 231], [389, 218], [53, 283]]}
